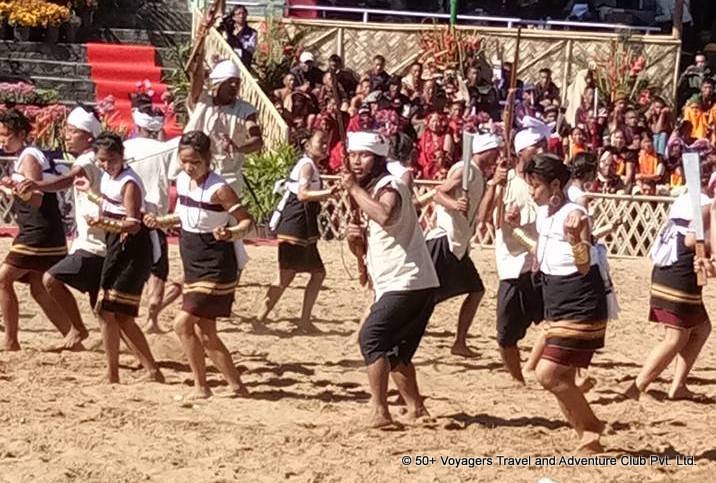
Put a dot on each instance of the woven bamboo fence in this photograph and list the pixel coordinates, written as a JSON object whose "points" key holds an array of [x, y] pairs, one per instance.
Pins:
{"points": [[564, 52], [273, 127], [641, 217]]}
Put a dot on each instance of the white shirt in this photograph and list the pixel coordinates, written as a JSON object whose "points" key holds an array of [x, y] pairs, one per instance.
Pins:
{"points": [[458, 227], [295, 179], [229, 120], [513, 258], [150, 159], [89, 239], [397, 257], [554, 252], [195, 209], [111, 189]]}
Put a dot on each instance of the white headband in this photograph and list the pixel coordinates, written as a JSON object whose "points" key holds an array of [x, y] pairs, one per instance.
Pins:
{"points": [[526, 138], [84, 121], [485, 142], [367, 141], [146, 121], [224, 71]]}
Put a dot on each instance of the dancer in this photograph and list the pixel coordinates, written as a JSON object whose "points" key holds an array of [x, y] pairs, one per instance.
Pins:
{"points": [[400, 269], [150, 159], [449, 242], [297, 231], [676, 301], [128, 261], [40, 242], [206, 202], [82, 268], [519, 296], [222, 115], [575, 303]]}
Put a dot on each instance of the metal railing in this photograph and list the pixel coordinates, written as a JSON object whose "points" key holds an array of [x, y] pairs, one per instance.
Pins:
{"points": [[509, 22]]}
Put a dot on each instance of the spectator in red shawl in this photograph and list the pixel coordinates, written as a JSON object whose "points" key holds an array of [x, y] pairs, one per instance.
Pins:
{"points": [[585, 111], [456, 125], [435, 137], [327, 121]]}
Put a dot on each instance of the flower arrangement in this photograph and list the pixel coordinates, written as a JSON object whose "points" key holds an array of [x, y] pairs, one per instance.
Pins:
{"points": [[48, 123], [620, 72], [34, 13], [24, 93], [276, 52], [110, 116], [444, 49]]}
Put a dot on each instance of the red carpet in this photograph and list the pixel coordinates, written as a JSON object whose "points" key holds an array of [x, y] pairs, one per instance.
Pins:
{"points": [[116, 69]]}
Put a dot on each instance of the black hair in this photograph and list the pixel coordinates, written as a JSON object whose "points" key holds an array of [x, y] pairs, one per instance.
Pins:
{"points": [[379, 57], [110, 141], [546, 70], [15, 121], [584, 166], [708, 80], [401, 147], [548, 167], [198, 141], [237, 8], [335, 58]]}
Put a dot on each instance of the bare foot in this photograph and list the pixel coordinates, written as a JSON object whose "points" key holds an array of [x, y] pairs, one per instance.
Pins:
{"points": [[632, 392], [12, 346], [153, 376], [589, 444], [463, 350], [417, 414], [307, 328], [682, 393], [586, 384], [380, 418], [199, 394], [152, 327], [239, 391]]}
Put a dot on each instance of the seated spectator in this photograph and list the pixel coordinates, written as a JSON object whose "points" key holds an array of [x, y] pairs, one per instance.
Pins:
{"points": [[394, 85], [413, 81], [616, 116], [434, 138], [308, 76], [377, 76], [284, 94], [238, 34], [576, 144], [325, 91], [651, 167], [624, 159], [362, 91], [608, 180], [362, 121], [633, 128], [689, 83], [346, 78], [674, 167], [661, 123], [700, 111], [546, 91], [442, 165]]}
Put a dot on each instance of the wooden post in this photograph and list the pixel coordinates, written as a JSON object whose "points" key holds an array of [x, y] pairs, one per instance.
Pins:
{"points": [[678, 19], [567, 70]]}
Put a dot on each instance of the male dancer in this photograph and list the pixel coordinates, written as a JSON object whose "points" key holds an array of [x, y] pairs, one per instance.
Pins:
{"points": [[150, 159], [519, 299], [449, 242], [82, 268], [400, 268]]}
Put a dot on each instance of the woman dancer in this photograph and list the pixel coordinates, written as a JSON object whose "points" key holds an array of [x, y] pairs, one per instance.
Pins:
{"points": [[575, 302], [40, 242], [128, 261], [676, 302], [205, 206], [298, 231]]}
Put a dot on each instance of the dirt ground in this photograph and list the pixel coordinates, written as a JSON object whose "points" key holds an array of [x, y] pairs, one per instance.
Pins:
{"points": [[305, 418]]}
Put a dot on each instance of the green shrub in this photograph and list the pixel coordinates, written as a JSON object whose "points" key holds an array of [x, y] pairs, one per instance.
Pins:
{"points": [[261, 171]]}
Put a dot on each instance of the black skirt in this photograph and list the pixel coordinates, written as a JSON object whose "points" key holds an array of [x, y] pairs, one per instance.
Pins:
{"points": [[40, 242], [125, 270], [299, 222], [299, 258], [160, 269], [82, 271], [676, 297], [210, 275], [576, 315], [457, 277]]}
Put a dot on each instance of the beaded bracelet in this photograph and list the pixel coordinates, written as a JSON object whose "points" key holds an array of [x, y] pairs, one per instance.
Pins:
{"points": [[94, 197], [111, 226], [168, 221], [580, 252]]}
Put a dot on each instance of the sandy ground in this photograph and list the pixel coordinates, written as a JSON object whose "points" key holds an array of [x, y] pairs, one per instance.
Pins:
{"points": [[304, 419]]}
